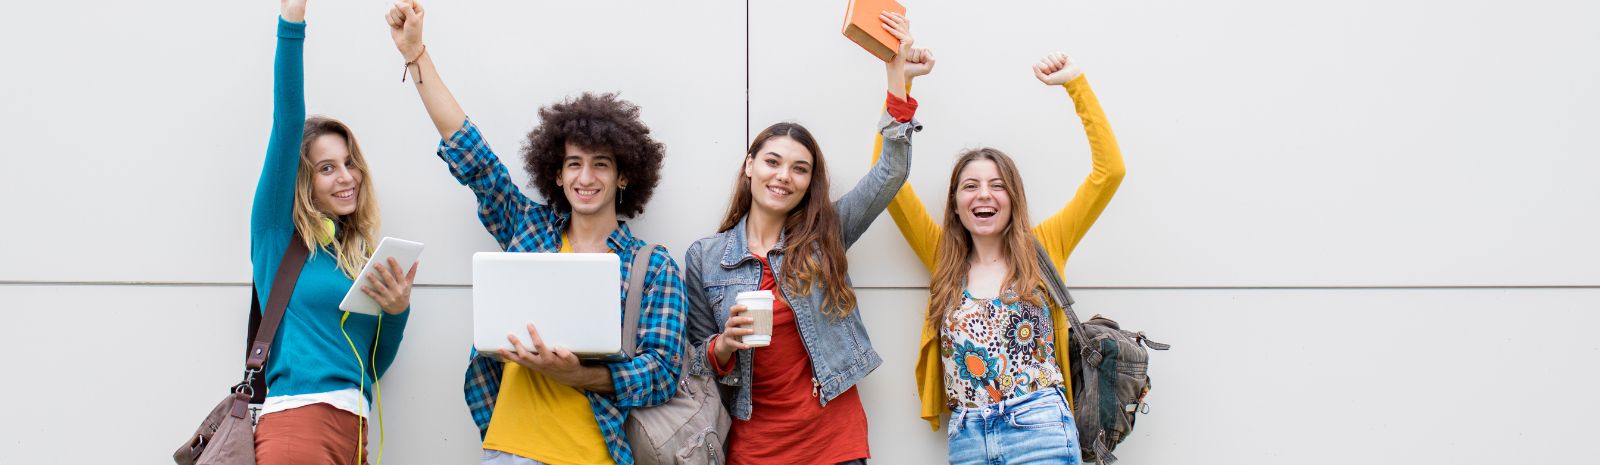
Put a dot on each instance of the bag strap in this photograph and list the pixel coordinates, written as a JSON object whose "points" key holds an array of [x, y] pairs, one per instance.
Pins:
{"points": [[1058, 292], [294, 259], [630, 313]]}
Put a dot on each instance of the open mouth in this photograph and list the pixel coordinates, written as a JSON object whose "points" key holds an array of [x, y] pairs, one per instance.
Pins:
{"points": [[346, 194], [779, 191], [586, 194], [984, 212]]}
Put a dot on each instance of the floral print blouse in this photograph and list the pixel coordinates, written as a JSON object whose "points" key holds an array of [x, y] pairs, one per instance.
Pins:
{"points": [[995, 351]]}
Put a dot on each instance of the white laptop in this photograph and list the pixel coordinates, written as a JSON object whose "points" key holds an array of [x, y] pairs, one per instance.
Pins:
{"points": [[573, 299]]}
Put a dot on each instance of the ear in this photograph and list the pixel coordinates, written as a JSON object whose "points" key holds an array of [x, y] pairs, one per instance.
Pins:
{"points": [[622, 182], [749, 166]]}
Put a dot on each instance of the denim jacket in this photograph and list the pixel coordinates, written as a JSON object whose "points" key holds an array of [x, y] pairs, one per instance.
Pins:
{"points": [[720, 266]]}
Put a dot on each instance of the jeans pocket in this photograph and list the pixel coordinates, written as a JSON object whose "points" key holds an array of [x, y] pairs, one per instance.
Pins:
{"points": [[1038, 416]]}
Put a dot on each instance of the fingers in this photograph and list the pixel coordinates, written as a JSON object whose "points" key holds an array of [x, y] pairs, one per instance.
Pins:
{"points": [[396, 17], [736, 324], [519, 351], [412, 10], [564, 356], [538, 342], [394, 271], [378, 280], [897, 26], [737, 309], [411, 276]]}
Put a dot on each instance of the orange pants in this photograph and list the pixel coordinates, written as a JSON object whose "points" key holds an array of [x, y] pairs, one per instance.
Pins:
{"points": [[315, 434]]}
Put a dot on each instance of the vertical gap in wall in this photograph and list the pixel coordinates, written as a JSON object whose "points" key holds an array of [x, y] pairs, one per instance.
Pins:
{"points": [[742, 137]]}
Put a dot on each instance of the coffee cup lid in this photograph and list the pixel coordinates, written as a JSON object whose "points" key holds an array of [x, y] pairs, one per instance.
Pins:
{"points": [[761, 294]]}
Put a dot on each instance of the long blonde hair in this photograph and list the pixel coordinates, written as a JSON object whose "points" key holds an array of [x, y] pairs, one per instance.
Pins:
{"points": [[955, 244], [355, 233]]}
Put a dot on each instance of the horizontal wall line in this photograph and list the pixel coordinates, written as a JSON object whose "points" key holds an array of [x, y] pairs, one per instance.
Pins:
{"points": [[888, 288]]}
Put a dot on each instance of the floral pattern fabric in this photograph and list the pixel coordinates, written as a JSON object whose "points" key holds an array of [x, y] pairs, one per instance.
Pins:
{"points": [[994, 351]]}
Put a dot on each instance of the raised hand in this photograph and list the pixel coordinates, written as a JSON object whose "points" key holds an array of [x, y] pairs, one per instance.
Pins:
{"points": [[919, 62], [293, 11], [908, 59], [1056, 69], [405, 27]]}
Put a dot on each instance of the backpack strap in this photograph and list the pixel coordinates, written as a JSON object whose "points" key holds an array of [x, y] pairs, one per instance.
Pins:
{"points": [[1063, 298], [630, 312]]}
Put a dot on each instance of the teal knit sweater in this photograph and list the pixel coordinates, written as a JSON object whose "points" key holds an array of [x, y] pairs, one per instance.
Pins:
{"points": [[310, 354]]}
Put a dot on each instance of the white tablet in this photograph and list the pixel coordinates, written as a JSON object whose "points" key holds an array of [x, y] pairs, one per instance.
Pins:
{"points": [[403, 251]]}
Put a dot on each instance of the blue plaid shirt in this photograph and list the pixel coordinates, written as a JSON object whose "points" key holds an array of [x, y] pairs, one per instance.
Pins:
{"points": [[523, 225]]}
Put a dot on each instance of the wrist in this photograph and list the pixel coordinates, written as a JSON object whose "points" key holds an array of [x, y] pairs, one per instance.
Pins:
{"points": [[413, 52]]}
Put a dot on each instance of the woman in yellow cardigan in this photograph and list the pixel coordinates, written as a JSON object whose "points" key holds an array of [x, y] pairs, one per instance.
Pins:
{"points": [[993, 354]]}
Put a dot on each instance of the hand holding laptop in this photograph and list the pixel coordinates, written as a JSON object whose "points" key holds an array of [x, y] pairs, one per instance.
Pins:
{"points": [[556, 362]]}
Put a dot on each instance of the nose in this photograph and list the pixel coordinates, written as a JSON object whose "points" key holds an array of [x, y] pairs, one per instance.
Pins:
{"points": [[345, 176], [782, 175], [585, 176]]}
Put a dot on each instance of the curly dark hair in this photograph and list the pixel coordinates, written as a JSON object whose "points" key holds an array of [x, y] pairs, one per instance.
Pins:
{"points": [[601, 123]]}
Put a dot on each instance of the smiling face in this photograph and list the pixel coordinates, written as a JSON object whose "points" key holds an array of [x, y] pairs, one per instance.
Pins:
{"points": [[589, 180], [780, 173], [335, 176], [982, 200]]}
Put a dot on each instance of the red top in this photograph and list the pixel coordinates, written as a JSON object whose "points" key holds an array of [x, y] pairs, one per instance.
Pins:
{"points": [[788, 423]]}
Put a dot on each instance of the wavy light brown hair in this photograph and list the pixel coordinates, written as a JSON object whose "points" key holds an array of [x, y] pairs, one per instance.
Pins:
{"points": [[356, 233], [600, 123], [955, 244], [813, 248]]}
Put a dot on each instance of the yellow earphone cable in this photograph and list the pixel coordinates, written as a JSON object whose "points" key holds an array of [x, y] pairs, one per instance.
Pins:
{"points": [[360, 388]]}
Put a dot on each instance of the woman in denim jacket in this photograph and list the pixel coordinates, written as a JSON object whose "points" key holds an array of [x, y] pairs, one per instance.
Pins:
{"points": [[798, 403]]}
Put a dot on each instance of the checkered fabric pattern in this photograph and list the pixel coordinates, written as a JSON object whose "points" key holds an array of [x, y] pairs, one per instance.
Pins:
{"points": [[520, 224]]}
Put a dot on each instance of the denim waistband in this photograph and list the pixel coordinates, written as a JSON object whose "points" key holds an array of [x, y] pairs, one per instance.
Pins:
{"points": [[1046, 396]]}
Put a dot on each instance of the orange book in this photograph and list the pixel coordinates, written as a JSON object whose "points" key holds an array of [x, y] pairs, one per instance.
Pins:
{"points": [[862, 26]]}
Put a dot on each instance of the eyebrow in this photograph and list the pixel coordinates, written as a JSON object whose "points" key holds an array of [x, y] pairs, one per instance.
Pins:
{"points": [[596, 157], [780, 157]]}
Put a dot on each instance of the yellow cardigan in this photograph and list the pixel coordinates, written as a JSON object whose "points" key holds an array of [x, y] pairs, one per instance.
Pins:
{"points": [[1060, 234]]}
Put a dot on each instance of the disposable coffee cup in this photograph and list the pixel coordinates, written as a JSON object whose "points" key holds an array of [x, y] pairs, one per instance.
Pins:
{"points": [[758, 305]]}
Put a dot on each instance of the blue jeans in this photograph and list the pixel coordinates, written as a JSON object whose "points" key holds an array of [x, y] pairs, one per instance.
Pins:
{"points": [[1035, 428]]}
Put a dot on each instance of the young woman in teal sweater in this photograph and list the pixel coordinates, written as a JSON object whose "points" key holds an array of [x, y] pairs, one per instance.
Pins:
{"points": [[315, 187]]}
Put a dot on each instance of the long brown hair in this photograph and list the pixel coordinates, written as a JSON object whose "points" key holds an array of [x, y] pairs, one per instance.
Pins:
{"points": [[357, 231], [813, 249], [955, 246]]}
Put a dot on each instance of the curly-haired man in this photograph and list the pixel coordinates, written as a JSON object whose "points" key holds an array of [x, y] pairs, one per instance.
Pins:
{"points": [[594, 161]]}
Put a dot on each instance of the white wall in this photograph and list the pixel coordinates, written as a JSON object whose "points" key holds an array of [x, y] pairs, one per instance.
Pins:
{"points": [[1367, 227]]}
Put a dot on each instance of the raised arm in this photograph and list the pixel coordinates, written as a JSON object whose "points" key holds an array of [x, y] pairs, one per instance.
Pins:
{"points": [[891, 160], [1061, 232], [405, 27], [273, 208], [919, 229], [502, 207]]}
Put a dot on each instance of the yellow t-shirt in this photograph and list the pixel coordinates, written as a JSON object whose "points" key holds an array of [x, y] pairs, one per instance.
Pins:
{"points": [[541, 419]]}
